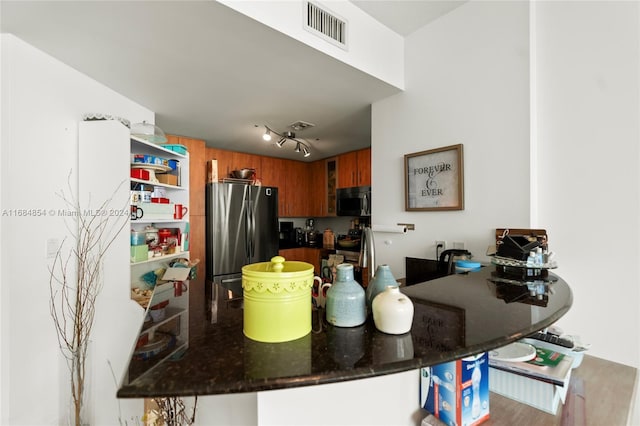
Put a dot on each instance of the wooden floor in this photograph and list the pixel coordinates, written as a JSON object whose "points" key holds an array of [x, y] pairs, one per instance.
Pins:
{"points": [[608, 389]]}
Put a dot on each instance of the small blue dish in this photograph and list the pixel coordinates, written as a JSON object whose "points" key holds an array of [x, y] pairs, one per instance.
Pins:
{"points": [[467, 265]]}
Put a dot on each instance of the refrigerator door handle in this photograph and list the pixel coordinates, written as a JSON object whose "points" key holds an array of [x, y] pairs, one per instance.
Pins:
{"points": [[247, 229], [365, 205], [250, 230]]}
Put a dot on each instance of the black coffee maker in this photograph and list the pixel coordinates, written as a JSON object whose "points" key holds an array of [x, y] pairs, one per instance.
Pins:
{"points": [[287, 232]]}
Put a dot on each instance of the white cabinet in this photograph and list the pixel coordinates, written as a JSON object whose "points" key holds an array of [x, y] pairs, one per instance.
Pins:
{"points": [[164, 304], [103, 174]]}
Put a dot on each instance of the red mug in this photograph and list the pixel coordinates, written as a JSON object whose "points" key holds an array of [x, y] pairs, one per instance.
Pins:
{"points": [[179, 211], [178, 288]]}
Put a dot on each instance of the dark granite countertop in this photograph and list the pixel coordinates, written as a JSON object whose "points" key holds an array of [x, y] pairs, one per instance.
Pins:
{"points": [[455, 316]]}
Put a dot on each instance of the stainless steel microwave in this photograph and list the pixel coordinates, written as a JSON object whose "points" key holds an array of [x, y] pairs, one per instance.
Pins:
{"points": [[354, 201]]}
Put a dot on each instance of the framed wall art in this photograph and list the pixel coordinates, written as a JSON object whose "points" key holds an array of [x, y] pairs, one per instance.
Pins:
{"points": [[434, 179]]}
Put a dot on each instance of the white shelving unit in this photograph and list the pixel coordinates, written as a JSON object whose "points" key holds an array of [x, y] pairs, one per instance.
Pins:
{"points": [[176, 319]]}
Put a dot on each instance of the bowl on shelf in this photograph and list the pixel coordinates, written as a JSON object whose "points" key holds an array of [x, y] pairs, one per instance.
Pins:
{"points": [[158, 314], [348, 243], [243, 173]]}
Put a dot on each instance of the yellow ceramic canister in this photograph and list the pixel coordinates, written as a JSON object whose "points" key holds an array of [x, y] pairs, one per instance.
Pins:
{"points": [[277, 300]]}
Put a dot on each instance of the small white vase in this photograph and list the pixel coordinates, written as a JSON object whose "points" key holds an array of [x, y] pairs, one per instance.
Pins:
{"points": [[392, 311]]}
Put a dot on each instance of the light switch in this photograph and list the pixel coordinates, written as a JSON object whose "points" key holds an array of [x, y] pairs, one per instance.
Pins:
{"points": [[53, 245]]}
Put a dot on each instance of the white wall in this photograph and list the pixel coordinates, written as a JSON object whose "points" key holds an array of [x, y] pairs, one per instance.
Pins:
{"points": [[42, 103], [468, 81], [587, 84], [393, 399]]}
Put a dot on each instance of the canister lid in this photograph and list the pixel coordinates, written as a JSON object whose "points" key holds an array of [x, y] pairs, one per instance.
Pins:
{"points": [[278, 266], [277, 276]]}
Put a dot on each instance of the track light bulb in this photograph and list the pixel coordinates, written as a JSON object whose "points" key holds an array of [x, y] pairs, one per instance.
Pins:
{"points": [[297, 147], [306, 151], [281, 142], [267, 135]]}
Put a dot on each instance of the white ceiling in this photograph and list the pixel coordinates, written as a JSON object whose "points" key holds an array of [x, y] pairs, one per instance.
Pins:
{"points": [[406, 16], [211, 73]]}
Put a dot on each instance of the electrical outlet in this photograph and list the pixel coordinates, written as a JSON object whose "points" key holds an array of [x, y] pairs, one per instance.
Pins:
{"points": [[441, 245], [458, 245]]}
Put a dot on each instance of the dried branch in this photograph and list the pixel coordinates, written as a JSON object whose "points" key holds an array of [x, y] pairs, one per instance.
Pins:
{"points": [[73, 292], [172, 412]]}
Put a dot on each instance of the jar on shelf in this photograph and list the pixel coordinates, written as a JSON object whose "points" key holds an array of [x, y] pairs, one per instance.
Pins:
{"points": [[151, 236], [137, 238], [163, 235]]}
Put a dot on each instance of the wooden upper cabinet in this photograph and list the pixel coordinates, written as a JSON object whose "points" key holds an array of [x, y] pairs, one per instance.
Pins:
{"points": [[354, 168], [273, 174], [364, 167], [318, 189], [272, 171], [347, 168], [296, 189], [292, 180]]}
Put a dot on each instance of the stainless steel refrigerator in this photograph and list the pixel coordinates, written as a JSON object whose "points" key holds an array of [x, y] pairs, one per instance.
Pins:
{"points": [[241, 228]]}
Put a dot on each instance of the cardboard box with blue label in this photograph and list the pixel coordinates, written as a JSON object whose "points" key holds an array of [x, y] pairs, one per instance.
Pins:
{"points": [[457, 392]]}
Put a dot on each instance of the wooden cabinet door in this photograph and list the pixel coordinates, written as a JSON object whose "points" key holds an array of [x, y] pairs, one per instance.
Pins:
{"points": [[354, 168], [364, 167], [318, 189], [347, 168], [297, 189], [297, 254], [304, 254], [272, 172], [313, 256]]}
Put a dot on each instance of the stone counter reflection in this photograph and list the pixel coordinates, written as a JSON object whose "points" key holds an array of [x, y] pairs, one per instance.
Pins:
{"points": [[455, 316]]}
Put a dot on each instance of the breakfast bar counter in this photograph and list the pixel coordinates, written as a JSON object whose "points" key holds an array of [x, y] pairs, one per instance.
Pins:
{"points": [[455, 316]]}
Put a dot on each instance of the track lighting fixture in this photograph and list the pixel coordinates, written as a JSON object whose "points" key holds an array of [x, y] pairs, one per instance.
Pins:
{"points": [[301, 145]]}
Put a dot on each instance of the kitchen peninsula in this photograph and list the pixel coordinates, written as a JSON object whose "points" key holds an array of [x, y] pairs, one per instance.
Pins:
{"points": [[455, 316]]}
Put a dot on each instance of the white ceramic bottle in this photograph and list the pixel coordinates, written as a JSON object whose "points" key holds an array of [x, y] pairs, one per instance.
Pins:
{"points": [[392, 311]]}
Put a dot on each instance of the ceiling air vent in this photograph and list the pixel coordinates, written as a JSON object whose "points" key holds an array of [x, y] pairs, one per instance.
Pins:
{"points": [[325, 24], [301, 125]]}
